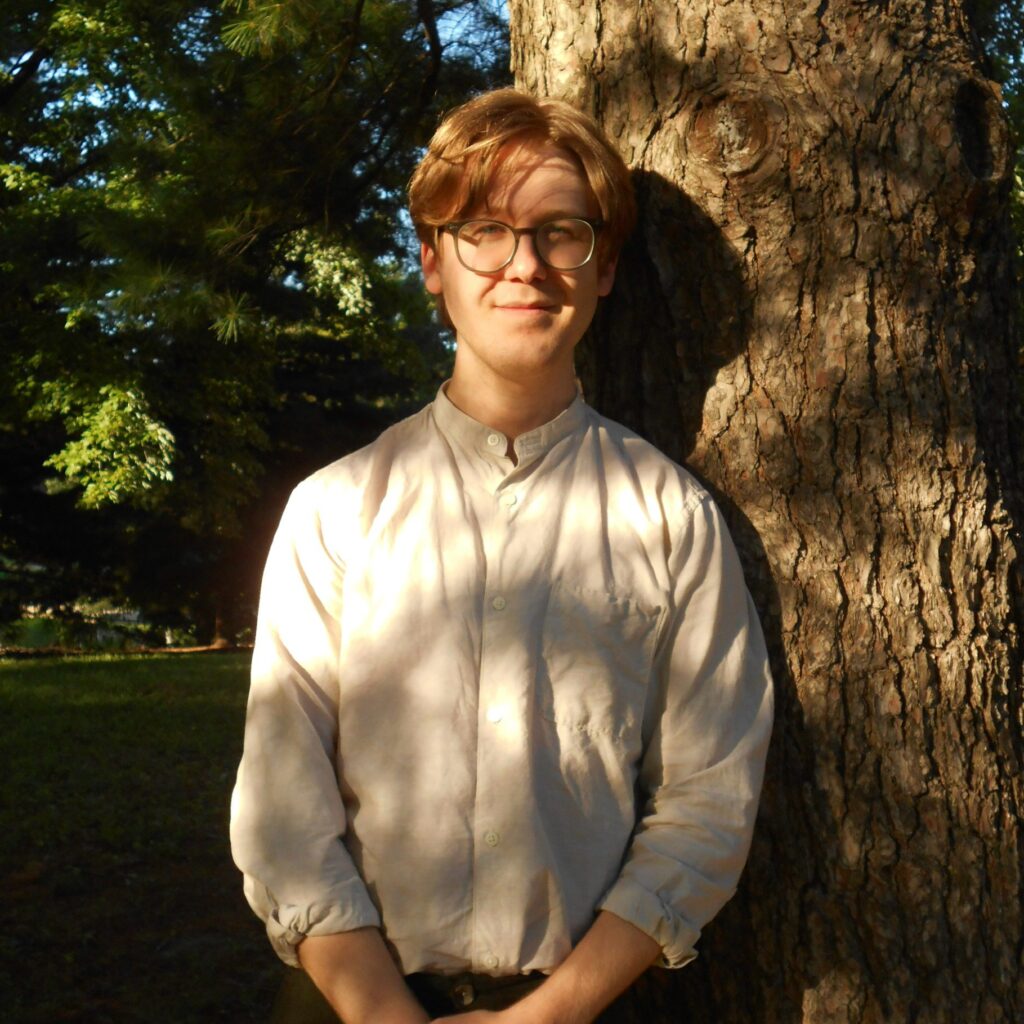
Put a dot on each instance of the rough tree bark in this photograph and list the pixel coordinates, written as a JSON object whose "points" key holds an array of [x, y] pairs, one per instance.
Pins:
{"points": [[816, 316]]}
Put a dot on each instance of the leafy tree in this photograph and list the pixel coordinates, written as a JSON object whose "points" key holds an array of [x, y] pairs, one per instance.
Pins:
{"points": [[204, 262], [1000, 26]]}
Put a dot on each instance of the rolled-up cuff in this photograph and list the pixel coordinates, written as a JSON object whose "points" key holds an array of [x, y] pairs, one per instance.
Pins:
{"points": [[644, 910], [288, 924]]}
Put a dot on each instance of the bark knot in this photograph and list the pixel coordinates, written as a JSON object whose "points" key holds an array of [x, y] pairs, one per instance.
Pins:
{"points": [[734, 130]]}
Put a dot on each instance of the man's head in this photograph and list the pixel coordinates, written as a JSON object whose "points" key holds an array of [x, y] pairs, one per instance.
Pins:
{"points": [[521, 206], [473, 144]]}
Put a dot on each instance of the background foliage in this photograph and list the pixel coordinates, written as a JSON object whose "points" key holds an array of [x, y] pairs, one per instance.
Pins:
{"points": [[205, 278], [1000, 27], [205, 275]]}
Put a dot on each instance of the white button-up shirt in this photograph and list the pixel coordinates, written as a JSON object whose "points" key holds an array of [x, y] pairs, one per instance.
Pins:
{"points": [[491, 698]]}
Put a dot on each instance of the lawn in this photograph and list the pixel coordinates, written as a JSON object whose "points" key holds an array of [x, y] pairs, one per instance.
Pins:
{"points": [[121, 903]]}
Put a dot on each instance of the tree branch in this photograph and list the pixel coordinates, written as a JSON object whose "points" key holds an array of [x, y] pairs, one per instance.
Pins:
{"points": [[26, 71]]}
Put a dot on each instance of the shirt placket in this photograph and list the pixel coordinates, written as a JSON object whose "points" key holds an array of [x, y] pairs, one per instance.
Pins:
{"points": [[500, 817]]}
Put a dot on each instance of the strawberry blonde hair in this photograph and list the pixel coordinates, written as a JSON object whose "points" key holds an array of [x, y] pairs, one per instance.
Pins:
{"points": [[474, 140]]}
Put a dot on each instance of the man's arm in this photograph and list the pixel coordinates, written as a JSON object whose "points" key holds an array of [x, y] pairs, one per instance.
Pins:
{"points": [[605, 962], [287, 815], [708, 723], [359, 979]]}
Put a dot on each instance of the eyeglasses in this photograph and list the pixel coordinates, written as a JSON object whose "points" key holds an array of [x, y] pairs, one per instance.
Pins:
{"points": [[487, 246]]}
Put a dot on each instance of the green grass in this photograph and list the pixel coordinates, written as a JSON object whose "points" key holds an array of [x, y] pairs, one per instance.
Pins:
{"points": [[121, 899]]}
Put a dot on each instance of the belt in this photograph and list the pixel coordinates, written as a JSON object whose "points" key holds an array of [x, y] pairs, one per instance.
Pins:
{"points": [[463, 991]]}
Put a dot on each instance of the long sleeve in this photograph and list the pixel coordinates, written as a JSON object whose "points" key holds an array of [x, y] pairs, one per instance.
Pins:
{"points": [[708, 723], [287, 816], [463, 677]]}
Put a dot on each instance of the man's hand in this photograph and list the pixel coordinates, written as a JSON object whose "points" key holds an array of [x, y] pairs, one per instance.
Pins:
{"points": [[359, 979], [607, 960]]}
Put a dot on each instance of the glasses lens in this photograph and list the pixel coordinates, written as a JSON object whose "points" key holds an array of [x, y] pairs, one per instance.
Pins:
{"points": [[485, 245], [565, 244]]}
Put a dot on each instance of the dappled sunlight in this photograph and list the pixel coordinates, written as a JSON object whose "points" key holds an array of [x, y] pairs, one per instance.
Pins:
{"points": [[457, 676]]}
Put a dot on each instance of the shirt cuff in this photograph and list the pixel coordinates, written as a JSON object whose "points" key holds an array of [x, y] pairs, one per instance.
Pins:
{"points": [[644, 910], [288, 924]]}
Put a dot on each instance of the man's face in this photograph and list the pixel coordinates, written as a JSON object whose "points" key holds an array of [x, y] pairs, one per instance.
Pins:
{"points": [[524, 320]]}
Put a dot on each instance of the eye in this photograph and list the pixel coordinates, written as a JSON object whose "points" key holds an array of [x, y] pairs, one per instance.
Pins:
{"points": [[570, 230], [479, 231]]}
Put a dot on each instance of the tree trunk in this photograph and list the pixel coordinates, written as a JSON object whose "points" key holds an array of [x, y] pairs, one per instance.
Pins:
{"points": [[816, 315]]}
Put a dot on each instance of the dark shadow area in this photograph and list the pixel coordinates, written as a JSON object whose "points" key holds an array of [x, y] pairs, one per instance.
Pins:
{"points": [[679, 312]]}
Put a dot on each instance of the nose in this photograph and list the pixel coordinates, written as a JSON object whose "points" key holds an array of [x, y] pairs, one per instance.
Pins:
{"points": [[526, 265]]}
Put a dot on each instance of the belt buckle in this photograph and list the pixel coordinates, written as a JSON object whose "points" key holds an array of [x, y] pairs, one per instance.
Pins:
{"points": [[463, 995]]}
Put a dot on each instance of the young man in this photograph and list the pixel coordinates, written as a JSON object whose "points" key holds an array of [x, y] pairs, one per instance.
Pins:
{"points": [[510, 700]]}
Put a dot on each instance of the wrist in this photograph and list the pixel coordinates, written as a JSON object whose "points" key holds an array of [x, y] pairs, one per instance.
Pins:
{"points": [[548, 1004], [394, 1010]]}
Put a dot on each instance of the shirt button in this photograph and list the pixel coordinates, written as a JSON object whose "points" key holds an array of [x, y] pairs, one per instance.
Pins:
{"points": [[494, 440], [492, 839], [508, 500], [490, 960], [498, 604], [495, 713]]}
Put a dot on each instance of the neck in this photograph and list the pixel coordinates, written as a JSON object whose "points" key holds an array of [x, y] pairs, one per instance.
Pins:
{"points": [[512, 407]]}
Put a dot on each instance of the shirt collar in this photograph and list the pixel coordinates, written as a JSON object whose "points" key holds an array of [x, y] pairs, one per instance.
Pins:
{"points": [[476, 437]]}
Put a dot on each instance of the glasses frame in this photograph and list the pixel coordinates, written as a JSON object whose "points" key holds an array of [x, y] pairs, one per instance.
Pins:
{"points": [[455, 226]]}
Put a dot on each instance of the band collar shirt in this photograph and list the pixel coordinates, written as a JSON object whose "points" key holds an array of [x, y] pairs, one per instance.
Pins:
{"points": [[490, 698]]}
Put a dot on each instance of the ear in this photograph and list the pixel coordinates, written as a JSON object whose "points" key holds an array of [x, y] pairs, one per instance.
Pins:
{"points": [[606, 276], [431, 268]]}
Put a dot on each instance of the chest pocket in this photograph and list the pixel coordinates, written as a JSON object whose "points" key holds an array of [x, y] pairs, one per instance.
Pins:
{"points": [[596, 659]]}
